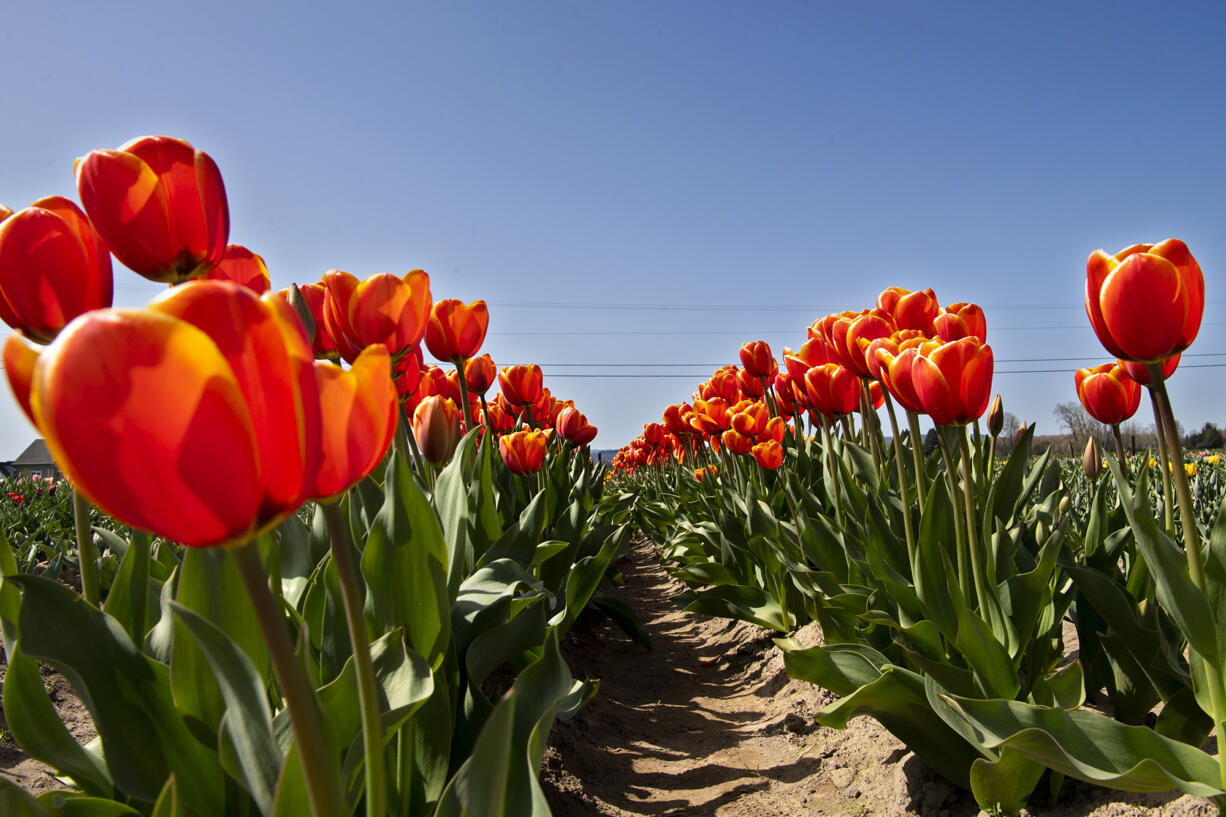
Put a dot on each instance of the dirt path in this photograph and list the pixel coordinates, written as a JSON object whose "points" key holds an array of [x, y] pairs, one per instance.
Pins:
{"points": [[709, 725]]}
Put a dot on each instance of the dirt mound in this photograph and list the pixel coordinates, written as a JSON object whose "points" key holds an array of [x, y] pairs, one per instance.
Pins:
{"points": [[709, 724]]}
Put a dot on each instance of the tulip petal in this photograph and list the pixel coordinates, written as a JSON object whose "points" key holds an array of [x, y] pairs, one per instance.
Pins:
{"points": [[128, 207], [358, 408], [145, 417], [20, 355], [1145, 307]]}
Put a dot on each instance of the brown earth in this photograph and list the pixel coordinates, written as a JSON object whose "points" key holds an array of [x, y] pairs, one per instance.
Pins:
{"points": [[33, 776], [709, 725]]}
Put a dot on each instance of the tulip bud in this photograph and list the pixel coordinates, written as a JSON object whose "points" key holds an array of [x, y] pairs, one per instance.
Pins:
{"points": [[996, 417], [1021, 432], [5, 212], [436, 425], [298, 302], [1091, 462]]}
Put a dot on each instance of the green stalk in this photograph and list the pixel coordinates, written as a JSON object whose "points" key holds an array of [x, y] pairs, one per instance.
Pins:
{"points": [[868, 416], [1192, 545], [1119, 448], [828, 458], [902, 479], [368, 692], [465, 422], [978, 569], [405, 436], [917, 454], [87, 558], [1168, 506], [320, 771], [956, 496]]}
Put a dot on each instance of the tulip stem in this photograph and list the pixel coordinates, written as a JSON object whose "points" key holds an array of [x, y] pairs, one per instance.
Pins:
{"points": [[1119, 448], [978, 568], [903, 493], [87, 558], [406, 437], [1192, 544], [368, 692], [829, 458], [1168, 506], [319, 770], [956, 497], [917, 454], [461, 378]]}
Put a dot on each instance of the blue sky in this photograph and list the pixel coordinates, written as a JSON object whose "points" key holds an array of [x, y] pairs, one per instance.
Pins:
{"points": [[640, 183]]}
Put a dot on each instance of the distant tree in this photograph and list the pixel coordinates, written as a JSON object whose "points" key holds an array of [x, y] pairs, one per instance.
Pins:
{"points": [[1081, 426], [1008, 433], [1208, 437], [931, 442]]}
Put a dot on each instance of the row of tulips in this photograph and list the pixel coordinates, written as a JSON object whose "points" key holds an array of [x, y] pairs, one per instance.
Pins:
{"points": [[943, 584], [336, 591]]}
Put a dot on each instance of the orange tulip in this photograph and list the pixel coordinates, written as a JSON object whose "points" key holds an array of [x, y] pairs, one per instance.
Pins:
{"points": [[456, 331], [736, 443], [910, 310], [750, 387], [5, 212], [203, 418], [53, 267], [832, 389], [890, 362], [1108, 393], [757, 359], [574, 427], [407, 375], [701, 473], [776, 429], [242, 266], [814, 352], [953, 380], [159, 204], [521, 385], [676, 419], [480, 373], [436, 426], [751, 420], [1146, 301], [710, 417], [768, 454], [390, 310], [1140, 372], [523, 451], [961, 320], [500, 420], [723, 384], [852, 335], [323, 344], [338, 294], [785, 392]]}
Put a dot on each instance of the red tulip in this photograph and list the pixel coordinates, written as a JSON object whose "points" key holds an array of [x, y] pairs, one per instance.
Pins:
{"points": [[1108, 393], [757, 359], [853, 335], [53, 267], [500, 420], [751, 420], [815, 352], [736, 443], [407, 375], [749, 386], [832, 389], [390, 310], [242, 266], [1146, 301], [159, 204], [723, 384], [456, 331], [710, 417], [339, 288], [1140, 372], [574, 427], [953, 380], [768, 454], [523, 451], [676, 419], [910, 310], [890, 362], [436, 427], [479, 374], [521, 385], [785, 392], [323, 344], [961, 320], [211, 376]]}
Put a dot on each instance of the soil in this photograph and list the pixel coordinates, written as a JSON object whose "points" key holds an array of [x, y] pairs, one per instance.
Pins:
{"points": [[32, 775], [708, 724]]}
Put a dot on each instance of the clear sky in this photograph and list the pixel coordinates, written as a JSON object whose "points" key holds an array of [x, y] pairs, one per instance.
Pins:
{"points": [[638, 187]]}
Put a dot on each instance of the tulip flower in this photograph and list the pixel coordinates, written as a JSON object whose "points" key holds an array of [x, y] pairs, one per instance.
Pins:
{"points": [[736, 443], [1091, 461], [785, 394], [5, 212], [676, 419], [523, 451], [996, 417], [500, 420], [961, 320], [436, 426], [910, 310], [750, 387], [890, 362], [1107, 393], [521, 385], [710, 417], [53, 267], [242, 266], [953, 380], [723, 384], [480, 373], [814, 352], [322, 342], [390, 310], [407, 375], [574, 427], [456, 331], [832, 390], [757, 359], [1140, 372], [751, 420], [776, 429], [1146, 301], [159, 204], [769, 454], [212, 375], [339, 287]]}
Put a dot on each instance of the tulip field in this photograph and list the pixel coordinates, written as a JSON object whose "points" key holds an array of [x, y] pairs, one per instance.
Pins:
{"points": [[296, 569]]}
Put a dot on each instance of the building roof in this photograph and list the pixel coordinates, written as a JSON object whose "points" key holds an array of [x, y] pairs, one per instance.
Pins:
{"points": [[36, 453]]}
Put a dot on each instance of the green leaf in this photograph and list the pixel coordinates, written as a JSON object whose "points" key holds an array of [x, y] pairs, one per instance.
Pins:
{"points": [[742, 602], [405, 566], [37, 728], [15, 802], [519, 541], [297, 558], [131, 597], [144, 738], [168, 803], [936, 540], [625, 618], [74, 804], [1002, 786], [248, 720], [1089, 746], [987, 656], [451, 501]]}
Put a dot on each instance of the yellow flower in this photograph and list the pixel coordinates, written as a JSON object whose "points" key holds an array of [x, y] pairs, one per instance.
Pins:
{"points": [[1189, 468], [1153, 463], [1213, 460]]}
